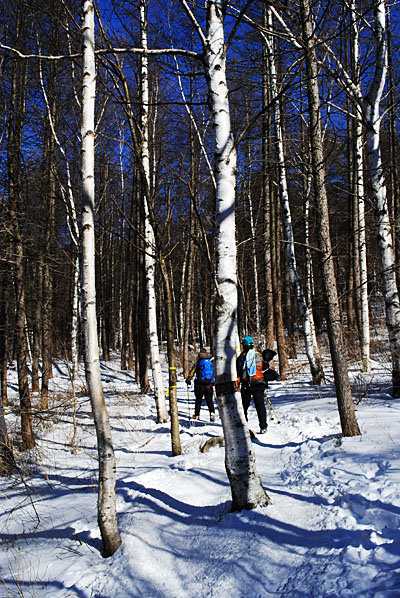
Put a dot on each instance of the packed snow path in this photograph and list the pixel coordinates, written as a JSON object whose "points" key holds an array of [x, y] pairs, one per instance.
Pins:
{"points": [[332, 530]]}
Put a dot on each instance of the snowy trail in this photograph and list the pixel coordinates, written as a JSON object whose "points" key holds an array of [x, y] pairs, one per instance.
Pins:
{"points": [[298, 546], [331, 532], [339, 558]]}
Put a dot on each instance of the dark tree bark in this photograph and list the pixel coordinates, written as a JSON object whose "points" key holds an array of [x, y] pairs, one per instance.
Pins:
{"points": [[47, 297], [338, 350], [277, 289], [4, 331], [14, 159]]}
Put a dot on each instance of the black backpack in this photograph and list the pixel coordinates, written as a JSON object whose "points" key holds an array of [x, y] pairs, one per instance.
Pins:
{"points": [[269, 374]]}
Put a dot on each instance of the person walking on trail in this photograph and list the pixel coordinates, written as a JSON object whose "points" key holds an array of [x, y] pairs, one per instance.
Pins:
{"points": [[203, 383], [251, 369]]}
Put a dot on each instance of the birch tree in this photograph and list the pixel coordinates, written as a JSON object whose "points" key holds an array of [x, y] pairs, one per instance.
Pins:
{"points": [[359, 196], [266, 192], [371, 107], [122, 89], [306, 316], [107, 515], [246, 486], [370, 102], [7, 462], [248, 197], [159, 396], [67, 193]]}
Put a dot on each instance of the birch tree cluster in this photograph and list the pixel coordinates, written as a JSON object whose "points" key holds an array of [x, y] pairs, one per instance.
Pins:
{"points": [[270, 208]]}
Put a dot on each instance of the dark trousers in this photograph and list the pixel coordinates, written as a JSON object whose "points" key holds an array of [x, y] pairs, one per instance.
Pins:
{"points": [[202, 391], [257, 392]]}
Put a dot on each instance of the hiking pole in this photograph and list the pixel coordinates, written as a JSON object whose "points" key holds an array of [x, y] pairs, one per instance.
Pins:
{"points": [[188, 400], [215, 398], [272, 407], [269, 408]]}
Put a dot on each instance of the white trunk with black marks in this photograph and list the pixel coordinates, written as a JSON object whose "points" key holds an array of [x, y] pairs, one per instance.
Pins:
{"points": [[73, 227], [7, 462], [75, 321], [362, 250], [359, 185], [309, 284], [246, 486], [310, 340], [181, 314], [254, 261], [107, 515], [372, 120], [159, 395]]}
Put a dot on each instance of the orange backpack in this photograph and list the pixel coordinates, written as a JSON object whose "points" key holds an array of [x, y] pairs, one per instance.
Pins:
{"points": [[259, 375]]}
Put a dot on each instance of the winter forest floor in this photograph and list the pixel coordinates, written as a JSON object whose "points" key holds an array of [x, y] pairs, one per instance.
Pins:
{"points": [[332, 530]]}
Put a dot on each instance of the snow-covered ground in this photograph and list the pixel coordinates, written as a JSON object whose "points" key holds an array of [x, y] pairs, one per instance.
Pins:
{"points": [[332, 530]]}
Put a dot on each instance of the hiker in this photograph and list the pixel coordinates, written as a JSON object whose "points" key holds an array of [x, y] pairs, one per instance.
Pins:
{"points": [[252, 371], [203, 383]]}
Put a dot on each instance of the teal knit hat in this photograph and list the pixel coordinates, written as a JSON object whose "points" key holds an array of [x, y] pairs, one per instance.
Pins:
{"points": [[247, 341]]}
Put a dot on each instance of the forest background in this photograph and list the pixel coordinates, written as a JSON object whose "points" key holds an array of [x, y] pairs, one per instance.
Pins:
{"points": [[317, 190]]}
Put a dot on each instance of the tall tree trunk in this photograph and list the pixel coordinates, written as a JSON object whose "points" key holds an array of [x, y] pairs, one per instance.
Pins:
{"points": [[72, 224], [372, 120], [246, 486], [276, 286], [47, 295], [306, 316], [107, 515], [7, 462], [188, 302], [394, 150], [254, 311], [171, 349], [338, 352], [14, 157], [141, 310], [4, 331], [267, 195], [149, 261], [360, 204], [36, 329], [190, 257]]}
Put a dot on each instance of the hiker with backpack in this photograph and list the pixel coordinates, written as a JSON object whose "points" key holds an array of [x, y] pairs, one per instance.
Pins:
{"points": [[203, 383], [253, 373]]}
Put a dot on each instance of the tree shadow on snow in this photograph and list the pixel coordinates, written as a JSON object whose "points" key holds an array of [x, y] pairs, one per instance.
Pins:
{"points": [[163, 504], [62, 533], [33, 586]]}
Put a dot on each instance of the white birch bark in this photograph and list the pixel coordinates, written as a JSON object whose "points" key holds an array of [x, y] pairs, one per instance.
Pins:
{"points": [[159, 396], [7, 462], [120, 335], [75, 321], [72, 223], [107, 516], [309, 284], [370, 105], [310, 340], [194, 123], [246, 486], [359, 186], [372, 121], [307, 236], [181, 312], [254, 262], [253, 246]]}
